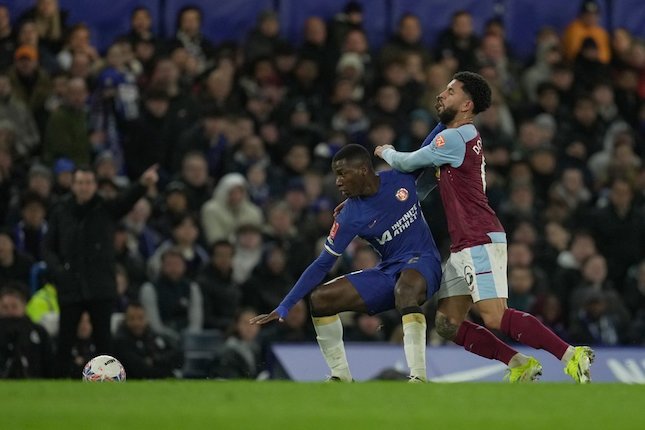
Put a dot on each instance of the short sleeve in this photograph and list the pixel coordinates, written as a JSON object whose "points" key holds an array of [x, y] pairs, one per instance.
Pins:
{"points": [[447, 148]]}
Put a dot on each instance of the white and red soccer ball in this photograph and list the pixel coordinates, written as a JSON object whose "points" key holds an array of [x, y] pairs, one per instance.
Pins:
{"points": [[104, 368]]}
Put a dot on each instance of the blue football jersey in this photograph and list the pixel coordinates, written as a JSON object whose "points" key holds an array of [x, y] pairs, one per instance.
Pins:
{"points": [[390, 220]]}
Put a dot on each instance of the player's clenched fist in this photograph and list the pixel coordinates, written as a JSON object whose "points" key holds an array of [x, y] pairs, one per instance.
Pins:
{"points": [[378, 151]]}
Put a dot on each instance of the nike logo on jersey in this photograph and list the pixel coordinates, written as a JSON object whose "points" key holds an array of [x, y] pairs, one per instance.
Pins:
{"points": [[372, 224]]}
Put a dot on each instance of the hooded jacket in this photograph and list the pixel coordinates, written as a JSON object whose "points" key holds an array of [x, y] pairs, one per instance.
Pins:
{"points": [[219, 218]]}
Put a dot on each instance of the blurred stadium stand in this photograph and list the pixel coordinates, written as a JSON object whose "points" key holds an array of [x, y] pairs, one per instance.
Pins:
{"points": [[232, 19]]}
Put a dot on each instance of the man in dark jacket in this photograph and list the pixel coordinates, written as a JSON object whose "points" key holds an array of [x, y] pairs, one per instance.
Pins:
{"points": [[146, 354], [80, 256], [222, 296], [25, 347]]}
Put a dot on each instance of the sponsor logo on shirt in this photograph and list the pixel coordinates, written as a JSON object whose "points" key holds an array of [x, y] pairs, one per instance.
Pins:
{"points": [[402, 194], [439, 141], [400, 226]]}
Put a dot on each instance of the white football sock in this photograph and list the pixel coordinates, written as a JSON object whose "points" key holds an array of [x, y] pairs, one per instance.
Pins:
{"points": [[518, 360], [568, 355], [329, 331], [414, 344]]}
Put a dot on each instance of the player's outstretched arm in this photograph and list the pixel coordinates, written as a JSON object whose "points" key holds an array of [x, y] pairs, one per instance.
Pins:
{"points": [[405, 161], [310, 279], [402, 160], [447, 148]]}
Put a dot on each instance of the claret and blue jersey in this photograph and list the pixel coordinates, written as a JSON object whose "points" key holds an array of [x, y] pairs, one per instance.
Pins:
{"points": [[458, 155]]}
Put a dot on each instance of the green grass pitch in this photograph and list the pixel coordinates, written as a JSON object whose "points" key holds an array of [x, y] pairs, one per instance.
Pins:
{"points": [[288, 405]]}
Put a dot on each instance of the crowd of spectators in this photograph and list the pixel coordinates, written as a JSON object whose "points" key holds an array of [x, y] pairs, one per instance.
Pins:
{"points": [[242, 134]]}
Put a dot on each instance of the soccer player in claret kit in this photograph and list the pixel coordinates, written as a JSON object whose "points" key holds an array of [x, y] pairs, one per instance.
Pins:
{"points": [[383, 209], [476, 270]]}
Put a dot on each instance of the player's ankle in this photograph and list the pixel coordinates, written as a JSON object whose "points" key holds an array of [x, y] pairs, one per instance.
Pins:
{"points": [[416, 379], [568, 354], [518, 360], [418, 374], [343, 374]]}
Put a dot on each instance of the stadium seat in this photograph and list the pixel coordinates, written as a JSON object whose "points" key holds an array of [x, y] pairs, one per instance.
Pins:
{"points": [[200, 350]]}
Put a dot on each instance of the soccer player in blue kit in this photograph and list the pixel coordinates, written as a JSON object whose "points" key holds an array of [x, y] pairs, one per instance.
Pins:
{"points": [[383, 209], [475, 273]]}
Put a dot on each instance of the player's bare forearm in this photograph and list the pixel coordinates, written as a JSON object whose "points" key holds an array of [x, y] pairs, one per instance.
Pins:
{"points": [[407, 161]]}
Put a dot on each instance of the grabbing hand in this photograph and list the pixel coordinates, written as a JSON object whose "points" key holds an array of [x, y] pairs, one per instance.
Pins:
{"points": [[150, 176], [266, 318], [378, 151]]}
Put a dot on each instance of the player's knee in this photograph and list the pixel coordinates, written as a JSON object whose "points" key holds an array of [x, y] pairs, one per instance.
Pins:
{"points": [[406, 294], [492, 320], [446, 326], [320, 303]]}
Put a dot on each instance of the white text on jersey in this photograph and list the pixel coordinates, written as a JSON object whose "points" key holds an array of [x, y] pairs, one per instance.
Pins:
{"points": [[397, 228]]}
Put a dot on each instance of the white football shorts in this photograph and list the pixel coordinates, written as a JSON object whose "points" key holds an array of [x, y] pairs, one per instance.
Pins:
{"points": [[479, 272]]}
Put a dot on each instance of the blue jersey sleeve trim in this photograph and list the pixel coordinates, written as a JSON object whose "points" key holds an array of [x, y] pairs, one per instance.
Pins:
{"points": [[331, 251]]}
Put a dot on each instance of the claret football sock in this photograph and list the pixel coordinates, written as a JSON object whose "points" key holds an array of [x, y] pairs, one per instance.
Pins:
{"points": [[329, 331], [414, 341], [479, 340], [524, 327]]}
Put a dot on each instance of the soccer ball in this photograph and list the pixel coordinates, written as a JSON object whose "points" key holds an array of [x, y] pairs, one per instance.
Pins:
{"points": [[104, 368]]}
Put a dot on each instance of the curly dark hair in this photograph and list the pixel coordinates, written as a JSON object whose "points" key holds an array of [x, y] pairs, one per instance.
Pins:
{"points": [[477, 88]]}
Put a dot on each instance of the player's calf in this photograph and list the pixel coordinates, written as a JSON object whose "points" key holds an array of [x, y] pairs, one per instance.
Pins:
{"points": [[409, 294], [414, 341], [329, 334]]}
